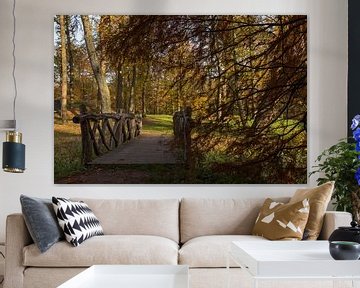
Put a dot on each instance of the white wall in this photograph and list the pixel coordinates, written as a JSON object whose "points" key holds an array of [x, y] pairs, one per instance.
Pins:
{"points": [[327, 53]]}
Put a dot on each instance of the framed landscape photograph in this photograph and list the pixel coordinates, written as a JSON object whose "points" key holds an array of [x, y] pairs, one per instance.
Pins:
{"points": [[180, 99]]}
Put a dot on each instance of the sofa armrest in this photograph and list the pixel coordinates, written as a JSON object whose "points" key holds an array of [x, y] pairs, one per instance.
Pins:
{"points": [[17, 237], [333, 220]]}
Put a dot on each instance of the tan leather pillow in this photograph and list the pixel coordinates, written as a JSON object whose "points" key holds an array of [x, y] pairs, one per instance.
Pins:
{"points": [[279, 221], [319, 198]]}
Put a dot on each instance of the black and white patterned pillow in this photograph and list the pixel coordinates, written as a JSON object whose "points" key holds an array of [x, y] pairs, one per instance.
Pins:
{"points": [[77, 220]]}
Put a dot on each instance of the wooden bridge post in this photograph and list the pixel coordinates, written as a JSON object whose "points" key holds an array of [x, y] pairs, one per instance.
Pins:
{"points": [[182, 125], [87, 155], [85, 138], [187, 136], [132, 127]]}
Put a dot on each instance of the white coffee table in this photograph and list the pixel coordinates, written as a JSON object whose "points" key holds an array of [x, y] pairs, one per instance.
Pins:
{"points": [[292, 260], [131, 276]]}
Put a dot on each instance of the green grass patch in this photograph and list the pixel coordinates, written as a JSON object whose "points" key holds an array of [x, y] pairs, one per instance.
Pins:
{"points": [[67, 149], [158, 123]]}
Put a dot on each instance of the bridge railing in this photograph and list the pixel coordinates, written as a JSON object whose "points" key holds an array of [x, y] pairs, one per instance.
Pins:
{"points": [[101, 133], [182, 125]]}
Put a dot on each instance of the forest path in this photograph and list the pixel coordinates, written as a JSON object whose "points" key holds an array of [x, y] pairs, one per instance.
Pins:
{"points": [[149, 158], [148, 148]]}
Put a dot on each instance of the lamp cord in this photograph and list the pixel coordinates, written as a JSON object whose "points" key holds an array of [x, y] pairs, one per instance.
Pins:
{"points": [[14, 60]]}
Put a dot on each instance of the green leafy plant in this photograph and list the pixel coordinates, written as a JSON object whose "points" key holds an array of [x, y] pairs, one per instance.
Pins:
{"points": [[341, 163]]}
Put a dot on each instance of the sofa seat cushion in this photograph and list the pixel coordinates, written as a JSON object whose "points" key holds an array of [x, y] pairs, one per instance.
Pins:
{"points": [[211, 251], [108, 249]]}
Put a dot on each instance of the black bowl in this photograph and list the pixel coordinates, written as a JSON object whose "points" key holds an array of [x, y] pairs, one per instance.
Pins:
{"points": [[344, 250]]}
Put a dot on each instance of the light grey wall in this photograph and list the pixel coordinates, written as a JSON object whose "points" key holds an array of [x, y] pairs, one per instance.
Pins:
{"points": [[327, 53]]}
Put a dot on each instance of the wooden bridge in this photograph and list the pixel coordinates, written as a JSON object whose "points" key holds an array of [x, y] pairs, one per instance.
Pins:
{"points": [[118, 139], [147, 148], [101, 133]]}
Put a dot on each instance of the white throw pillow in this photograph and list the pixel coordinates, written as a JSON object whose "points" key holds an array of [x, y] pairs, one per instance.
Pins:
{"points": [[76, 220]]}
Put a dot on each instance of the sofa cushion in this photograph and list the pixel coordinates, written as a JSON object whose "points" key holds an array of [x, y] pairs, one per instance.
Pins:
{"points": [[77, 220], [158, 217], [319, 198], [41, 221], [211, 251], [201, 217], [279, 221], [107, 249]]}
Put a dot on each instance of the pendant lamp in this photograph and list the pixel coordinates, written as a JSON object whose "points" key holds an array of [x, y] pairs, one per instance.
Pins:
{"points": [[13, 149]]}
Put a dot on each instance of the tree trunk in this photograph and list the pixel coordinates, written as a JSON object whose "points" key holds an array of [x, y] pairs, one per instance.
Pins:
{"points": [[96, 67], [119, 93], [101, 27], [126, 97], [63, 69], [143, 94], [180, 96], [132, 91], [219, 90], [71, 63]]}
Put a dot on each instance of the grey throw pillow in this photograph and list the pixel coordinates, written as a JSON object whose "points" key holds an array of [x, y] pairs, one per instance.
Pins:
{"points": [[41, 221]]}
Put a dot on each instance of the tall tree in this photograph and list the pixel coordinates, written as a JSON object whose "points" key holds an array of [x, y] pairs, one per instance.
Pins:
{"points": [[71, 61], [119, 89], [96, 67], [63, 69], [132, 90], [143, 92]]}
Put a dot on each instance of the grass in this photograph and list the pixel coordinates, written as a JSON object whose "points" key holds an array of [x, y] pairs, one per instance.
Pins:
{"points": [[67, 149], [158, 123]]}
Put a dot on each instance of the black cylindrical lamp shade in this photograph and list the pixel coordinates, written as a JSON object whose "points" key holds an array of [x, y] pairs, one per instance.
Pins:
{"points": [[13, 157]]}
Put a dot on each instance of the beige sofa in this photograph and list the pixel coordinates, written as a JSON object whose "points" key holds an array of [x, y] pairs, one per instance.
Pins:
{"points": [[194, 232]]}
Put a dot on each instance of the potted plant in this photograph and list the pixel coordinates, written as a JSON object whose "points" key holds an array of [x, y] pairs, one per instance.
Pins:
{"points": [[341, 163]]}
